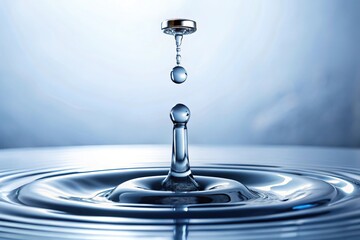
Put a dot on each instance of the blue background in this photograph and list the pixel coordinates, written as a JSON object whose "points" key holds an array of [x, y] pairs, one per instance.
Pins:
{"points": [[259, 72]]}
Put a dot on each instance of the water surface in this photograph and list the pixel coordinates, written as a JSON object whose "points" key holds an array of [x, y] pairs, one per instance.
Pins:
{"points": [[61, 193]]}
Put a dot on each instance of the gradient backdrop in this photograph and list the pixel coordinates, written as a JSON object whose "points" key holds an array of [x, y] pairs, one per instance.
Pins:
{"points": [[76, 72]]}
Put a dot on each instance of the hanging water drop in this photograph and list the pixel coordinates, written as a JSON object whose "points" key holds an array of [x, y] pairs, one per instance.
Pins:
{"points": [[178, 74], [178, 28]]}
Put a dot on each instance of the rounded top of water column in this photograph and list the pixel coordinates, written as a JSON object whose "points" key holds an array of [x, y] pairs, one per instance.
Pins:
{"points": [[178, 26], [180, 113]]}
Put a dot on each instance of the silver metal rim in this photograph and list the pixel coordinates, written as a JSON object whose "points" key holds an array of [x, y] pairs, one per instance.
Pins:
{"points": [[178, 26]]}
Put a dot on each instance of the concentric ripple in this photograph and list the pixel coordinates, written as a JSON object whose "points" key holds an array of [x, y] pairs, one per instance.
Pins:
{"points": [[283, 202]]}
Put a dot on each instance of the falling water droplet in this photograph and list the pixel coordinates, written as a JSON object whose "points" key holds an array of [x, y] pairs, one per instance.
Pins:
{"points": [[178, 74]]}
